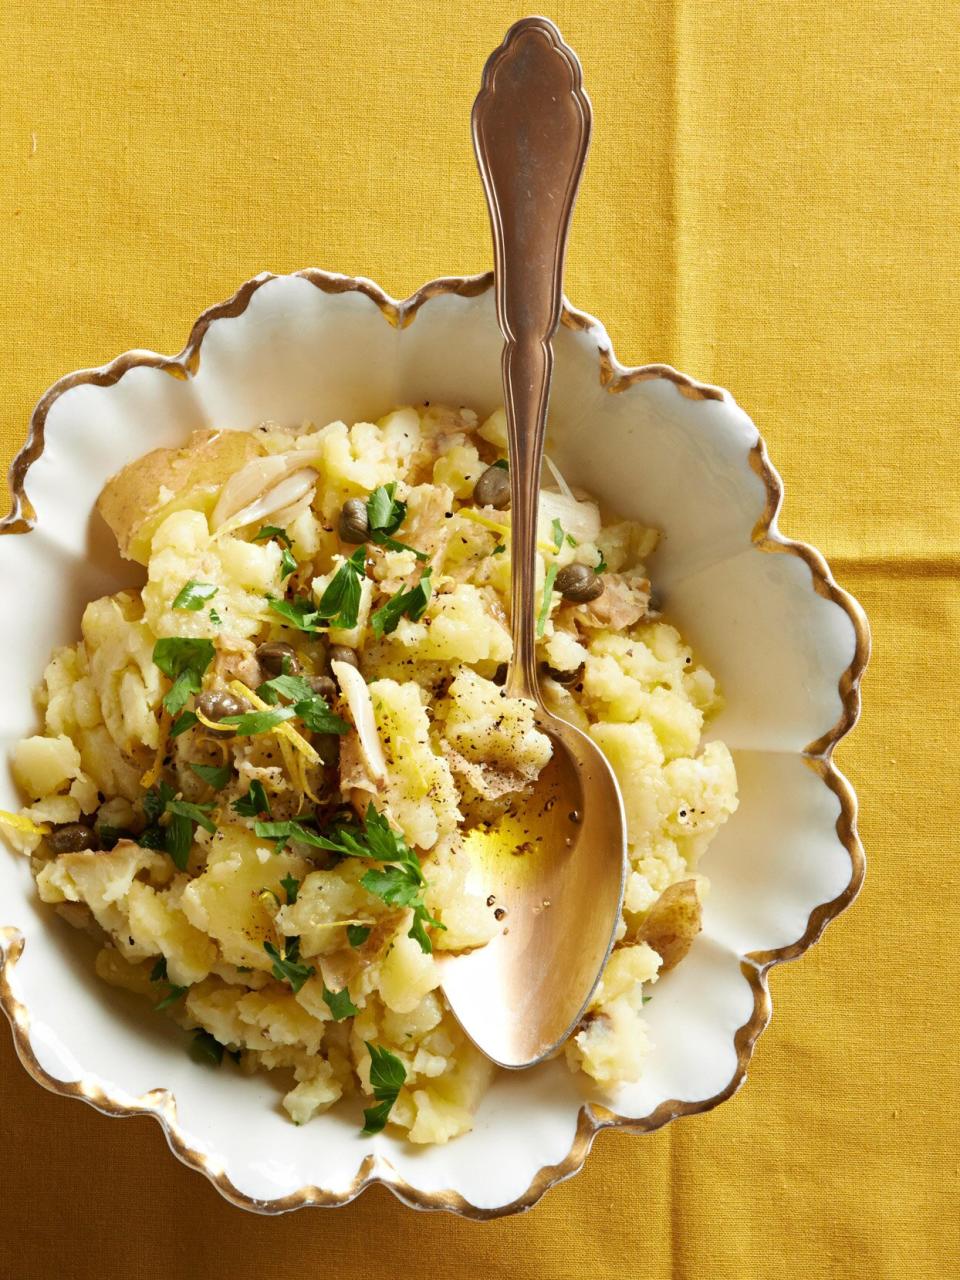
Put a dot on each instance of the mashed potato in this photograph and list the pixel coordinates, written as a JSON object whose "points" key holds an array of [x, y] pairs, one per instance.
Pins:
{"points": [[255, 777]]}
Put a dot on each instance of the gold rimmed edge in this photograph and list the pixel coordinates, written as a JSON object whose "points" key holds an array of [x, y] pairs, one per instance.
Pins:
{"points": [[592, 1118]]}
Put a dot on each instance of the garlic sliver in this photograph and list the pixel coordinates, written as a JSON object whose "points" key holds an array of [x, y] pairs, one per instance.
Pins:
{"points": [[354, 689]]}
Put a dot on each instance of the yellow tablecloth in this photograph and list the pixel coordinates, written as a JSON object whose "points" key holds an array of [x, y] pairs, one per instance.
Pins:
{"points": [[771, 203]]}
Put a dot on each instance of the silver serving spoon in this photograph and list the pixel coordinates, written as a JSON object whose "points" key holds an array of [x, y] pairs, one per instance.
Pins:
{"points": [[555, 868]]}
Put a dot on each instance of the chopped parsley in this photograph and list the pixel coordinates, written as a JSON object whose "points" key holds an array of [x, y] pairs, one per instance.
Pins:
{"points": [[286, 964], [193, 595], [173, 995], [340, 602], [558, 536], [339, 1003], [313, 710], [184, 721], [184, 661], [176, 836], [213, 775], [548, 581], [254, 802], [249, 723], [385, 515], [387, 1075], [269, 531], [357, 934], [215, 618], [293, 830], [601, 564], [398, 883], [339, 605], [412, 603], [159, 971], [499, 549], [291, 887]]}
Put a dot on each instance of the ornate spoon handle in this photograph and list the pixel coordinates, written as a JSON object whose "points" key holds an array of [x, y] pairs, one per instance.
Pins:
{"points": [[531, 129]]}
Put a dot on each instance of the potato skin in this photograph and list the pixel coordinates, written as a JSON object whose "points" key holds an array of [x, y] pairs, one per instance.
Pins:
{"points": [[133, 502], [672, 923]]}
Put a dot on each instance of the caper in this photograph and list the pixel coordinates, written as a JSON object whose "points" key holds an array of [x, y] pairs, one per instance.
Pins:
{"points": [[341, 653], [493, 488], [73, 837], [215, 705], [579, 583], [354, 522], [278, 659], [565, 678], [324, 687]]}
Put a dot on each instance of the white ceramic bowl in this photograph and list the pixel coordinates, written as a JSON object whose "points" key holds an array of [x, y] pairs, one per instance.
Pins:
{"points": [[786, 644]]}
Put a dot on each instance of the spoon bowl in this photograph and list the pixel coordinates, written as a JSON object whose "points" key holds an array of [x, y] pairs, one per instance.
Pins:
{"points": [[554, 866]]}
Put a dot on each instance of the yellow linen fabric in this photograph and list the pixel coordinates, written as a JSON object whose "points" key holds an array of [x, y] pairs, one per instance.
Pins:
{"points": [[771, 203]]}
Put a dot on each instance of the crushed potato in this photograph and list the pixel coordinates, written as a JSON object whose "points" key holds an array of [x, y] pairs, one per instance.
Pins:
{"points": [[256, 776]]}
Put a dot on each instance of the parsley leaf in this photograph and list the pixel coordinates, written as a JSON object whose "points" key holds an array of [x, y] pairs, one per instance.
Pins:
{"points": [[198, 813], [558, 536], [193, 594], [571, 541], [499, 549], [549, 579], [212, 775], [413, 603], [287, 966], [271, 531], [254, 802], [173, 995], [383, 510], [312, 709], [206, 1049], [291, 887], [339, 1003], [185, 662], [292, 830], [288, 563], [340, 602], [184, 721], [387, 1075], [357, 934], [251, 722], [299, 613], [159, 971], [215, 618], [601, 564]]}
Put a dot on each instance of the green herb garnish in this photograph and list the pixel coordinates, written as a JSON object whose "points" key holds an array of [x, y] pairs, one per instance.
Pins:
{"points": [[558, 536], [357, 934], [313, 710], [193, 595], [385, 515], [287, 966], [412, 603], [340, 602], [299, 613], [206, 1049], [292, 830], [176, 837], [268, 531], [548, 581], [213, 775], [499, 549], [184, 721], [254, 802], [252, 722], [601, 564], [387, 1075], [215, 618], [502, 464], [173, 995], [159, 971], [185, 662], [339, 1003], [291, 887]]}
